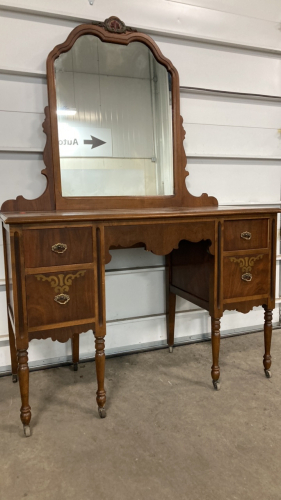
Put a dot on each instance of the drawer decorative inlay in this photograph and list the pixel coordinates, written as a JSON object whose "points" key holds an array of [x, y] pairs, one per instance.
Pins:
{"points": [[246, 263], [61, 282]]}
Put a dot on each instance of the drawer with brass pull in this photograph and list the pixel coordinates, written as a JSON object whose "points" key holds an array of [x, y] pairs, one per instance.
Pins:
{"points": [[57, 246], [247, 275], [246, 234], [60, 297]]}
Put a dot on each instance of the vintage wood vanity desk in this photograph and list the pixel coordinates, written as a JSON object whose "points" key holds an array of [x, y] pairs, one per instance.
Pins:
{"points": [[115, 169]]}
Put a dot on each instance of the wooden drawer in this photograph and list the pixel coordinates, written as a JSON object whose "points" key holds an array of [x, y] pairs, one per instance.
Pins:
{"points": [[39, 248], [246, 275], [45, 292], [256, 234]]}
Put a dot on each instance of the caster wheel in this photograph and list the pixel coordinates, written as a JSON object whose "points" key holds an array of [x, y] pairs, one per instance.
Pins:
{"points": [[267, 373], [170, 348], [102, 412], [216, 385], [14, 379], [26, 430], [75, 367]]}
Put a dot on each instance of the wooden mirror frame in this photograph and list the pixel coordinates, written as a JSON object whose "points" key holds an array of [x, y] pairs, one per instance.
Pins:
{"points": [[113, 31]]}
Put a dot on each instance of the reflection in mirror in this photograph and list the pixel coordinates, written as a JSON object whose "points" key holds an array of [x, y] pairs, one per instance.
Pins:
{"points": [[114, 110]]}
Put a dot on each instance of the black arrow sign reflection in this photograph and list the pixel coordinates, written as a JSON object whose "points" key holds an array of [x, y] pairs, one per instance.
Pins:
{"points": [[95, 142]]}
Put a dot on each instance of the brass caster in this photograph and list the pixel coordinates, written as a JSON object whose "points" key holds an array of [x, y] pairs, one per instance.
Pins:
{"points": [[267, 373], [75, 367], [26, 430], [216, 385], [14, 379], [170, 348], [102, 412]]}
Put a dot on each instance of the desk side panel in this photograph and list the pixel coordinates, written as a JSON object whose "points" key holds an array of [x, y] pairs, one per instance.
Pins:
{"points": [[192, 271]]}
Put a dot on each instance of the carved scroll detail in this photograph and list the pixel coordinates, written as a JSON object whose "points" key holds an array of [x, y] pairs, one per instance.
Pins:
{"points": [[47, 200], [243, 307], [61, 335], [157, 238]]}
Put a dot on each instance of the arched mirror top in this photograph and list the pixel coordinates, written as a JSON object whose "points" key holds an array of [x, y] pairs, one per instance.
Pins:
{"points": [[114, 116]]}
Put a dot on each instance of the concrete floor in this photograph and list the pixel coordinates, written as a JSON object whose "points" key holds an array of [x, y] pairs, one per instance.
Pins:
{"points": [[167, 435]]}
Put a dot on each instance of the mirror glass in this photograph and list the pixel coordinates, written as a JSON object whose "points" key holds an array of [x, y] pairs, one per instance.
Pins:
{"points": [[114, 110]]}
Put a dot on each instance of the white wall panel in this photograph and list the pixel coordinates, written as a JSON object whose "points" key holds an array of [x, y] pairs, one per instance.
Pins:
{"points": [[22, 93], [29, 39], [21, 131], [133, 257], [220, 20], [135, 293], [262, 9], [234, 181], [230, 111], [219, 140], [221, 68], [199, 64]]}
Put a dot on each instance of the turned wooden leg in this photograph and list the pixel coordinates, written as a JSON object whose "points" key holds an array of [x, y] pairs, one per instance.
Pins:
{"points": [[23, 373], [216, 352], [13, 351], [171, 313], [267, 341], [75, 351], [100, 368]]}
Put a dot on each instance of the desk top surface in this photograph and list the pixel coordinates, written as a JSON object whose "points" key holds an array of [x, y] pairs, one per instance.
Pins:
{"points": [[135, 215]]}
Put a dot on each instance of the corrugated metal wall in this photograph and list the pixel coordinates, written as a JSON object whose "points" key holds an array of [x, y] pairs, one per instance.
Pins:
{"points": [[228, 58]]}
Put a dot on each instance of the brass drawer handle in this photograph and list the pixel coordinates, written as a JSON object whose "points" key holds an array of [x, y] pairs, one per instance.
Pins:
{"points": [[247, 277], [59, 247], [246, 235], [62, 299]]}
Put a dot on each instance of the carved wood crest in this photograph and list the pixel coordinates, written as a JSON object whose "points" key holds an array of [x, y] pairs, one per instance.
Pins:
{"points": [[114, 25]]}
